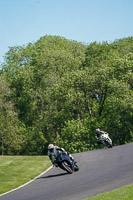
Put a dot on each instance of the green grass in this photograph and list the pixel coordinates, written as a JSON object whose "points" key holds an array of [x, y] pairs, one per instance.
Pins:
{"points": [[124, 193], [17, 170]]}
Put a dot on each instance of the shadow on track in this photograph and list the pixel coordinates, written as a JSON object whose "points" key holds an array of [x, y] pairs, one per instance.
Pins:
{"points": [[55, 175]]}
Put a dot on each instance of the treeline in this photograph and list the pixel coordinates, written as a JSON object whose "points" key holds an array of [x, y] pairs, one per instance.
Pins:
{"points": [[59, 91]]}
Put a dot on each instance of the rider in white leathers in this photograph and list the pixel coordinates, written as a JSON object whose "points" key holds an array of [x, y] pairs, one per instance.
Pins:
{"points": [[99, 132]]}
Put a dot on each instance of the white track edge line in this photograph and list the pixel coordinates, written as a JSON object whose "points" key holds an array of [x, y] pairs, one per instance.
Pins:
{"points": [[26, 183]]}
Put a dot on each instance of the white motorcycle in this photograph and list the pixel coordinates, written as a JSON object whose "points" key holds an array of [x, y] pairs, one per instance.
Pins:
{"points": [[105, 140]]}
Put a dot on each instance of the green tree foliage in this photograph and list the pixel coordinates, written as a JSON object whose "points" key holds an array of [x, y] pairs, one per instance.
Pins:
{"points": [[10, 137], [63, 90], [113, 84]]}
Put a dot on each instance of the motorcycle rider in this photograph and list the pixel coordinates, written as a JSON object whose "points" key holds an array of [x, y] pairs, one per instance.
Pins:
{"points": [[53, 152], [99, 132]]}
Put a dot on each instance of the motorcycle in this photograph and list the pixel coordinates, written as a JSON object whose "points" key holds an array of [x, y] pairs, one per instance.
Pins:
{"points": [[64, 162], [105, 140]]}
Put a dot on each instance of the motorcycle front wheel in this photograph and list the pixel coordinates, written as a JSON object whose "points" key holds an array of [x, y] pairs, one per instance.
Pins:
{"points": [[66, 165], [108, 144]]}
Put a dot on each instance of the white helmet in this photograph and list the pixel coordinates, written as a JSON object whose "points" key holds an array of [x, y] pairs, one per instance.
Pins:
{"points": [[97, 130], [51, 147]]}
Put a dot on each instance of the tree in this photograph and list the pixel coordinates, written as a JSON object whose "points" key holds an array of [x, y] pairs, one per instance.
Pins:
{"points": [[10, 136], [63, 89]]}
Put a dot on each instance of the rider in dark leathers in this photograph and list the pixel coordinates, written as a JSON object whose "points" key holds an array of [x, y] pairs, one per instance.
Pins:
{"points": [[53, 152]]}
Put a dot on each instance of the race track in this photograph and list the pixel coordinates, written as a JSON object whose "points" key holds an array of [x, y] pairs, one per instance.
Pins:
{"points": [[100, 171]]}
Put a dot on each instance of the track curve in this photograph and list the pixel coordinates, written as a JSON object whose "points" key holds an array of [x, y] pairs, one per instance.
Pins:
{"points": [[100, 171]]}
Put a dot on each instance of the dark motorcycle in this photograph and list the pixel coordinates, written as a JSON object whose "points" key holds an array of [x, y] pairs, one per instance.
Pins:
{"points": [[64, 162]]}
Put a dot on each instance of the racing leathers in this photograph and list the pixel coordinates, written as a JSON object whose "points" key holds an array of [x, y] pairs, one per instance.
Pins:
{"points": [[98, 134], [54, 154]]}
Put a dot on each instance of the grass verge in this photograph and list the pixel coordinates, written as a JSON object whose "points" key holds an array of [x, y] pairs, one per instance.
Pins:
{"points": [[124, 193], [17, 170]]}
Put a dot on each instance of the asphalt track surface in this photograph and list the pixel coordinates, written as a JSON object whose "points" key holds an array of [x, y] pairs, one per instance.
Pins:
{"points": [[100, 171]]}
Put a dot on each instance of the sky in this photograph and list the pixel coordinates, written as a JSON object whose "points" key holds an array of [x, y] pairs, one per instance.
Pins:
{"points": [[25, 21]]}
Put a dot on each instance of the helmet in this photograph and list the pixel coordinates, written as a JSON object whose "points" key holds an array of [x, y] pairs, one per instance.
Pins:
{"points": [[51, 147], [97, 130]]}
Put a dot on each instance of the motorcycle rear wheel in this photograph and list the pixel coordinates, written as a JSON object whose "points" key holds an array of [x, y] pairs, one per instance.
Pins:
{"points": [[76, 168]]}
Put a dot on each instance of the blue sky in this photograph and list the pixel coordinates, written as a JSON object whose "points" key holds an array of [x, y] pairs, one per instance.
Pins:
{"points": [[24, 21]]}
